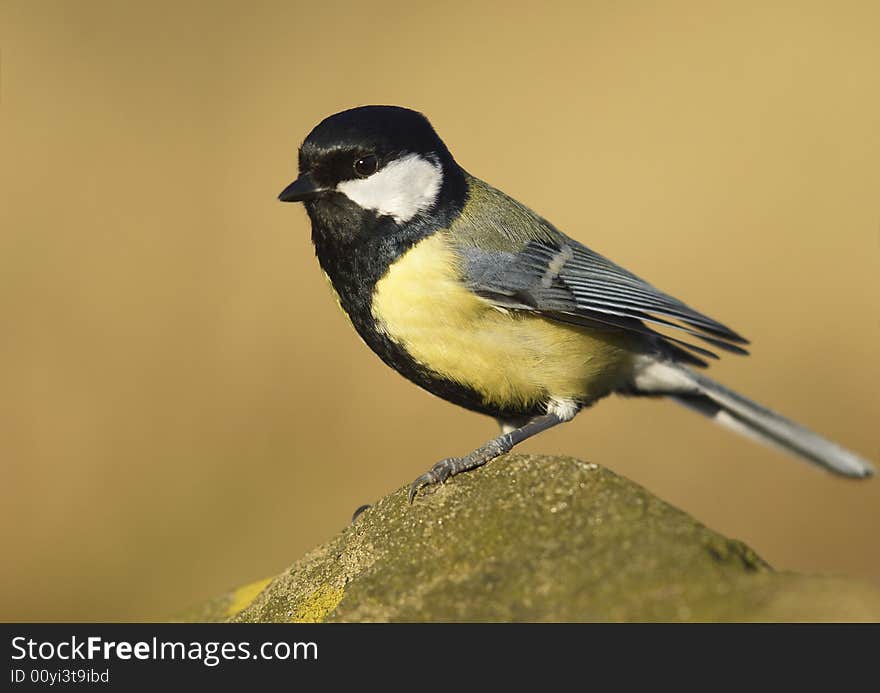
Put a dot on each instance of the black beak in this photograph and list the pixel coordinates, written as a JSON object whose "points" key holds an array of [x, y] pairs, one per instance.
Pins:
{"points": [[302, 189]]}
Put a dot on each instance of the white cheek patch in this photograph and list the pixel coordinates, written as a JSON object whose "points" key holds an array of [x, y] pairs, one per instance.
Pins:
{"points": [[402, 189]]}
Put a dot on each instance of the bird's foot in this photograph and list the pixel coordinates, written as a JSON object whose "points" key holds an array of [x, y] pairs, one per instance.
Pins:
{"points": [[501, 445], [357, 513], [438, 474]]}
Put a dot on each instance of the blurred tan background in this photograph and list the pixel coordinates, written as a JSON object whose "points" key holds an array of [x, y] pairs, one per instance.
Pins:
{"points": [[184, 409]]}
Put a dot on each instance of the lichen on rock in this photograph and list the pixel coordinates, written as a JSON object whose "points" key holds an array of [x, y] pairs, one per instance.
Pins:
{"points": [[539, 538]]}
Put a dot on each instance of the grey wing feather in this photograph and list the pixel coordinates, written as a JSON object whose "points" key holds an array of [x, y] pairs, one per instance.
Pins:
{"points": [[518, 260], [566, 281], [599, 284]]}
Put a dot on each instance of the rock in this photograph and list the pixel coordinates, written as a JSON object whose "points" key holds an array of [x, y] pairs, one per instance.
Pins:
{"points": [[537, 538]]}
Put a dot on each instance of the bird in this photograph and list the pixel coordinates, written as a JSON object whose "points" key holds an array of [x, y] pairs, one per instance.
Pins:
{"points": [[482, 302]]}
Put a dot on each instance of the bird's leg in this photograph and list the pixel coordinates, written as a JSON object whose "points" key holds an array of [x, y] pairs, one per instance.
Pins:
{"points": [[451, 466]]}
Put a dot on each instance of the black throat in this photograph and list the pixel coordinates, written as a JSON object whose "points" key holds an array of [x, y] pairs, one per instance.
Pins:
{"points": [[356, 247]]}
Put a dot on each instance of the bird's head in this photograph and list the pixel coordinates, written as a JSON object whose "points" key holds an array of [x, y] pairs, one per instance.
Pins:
{"points": [[374, 161]]}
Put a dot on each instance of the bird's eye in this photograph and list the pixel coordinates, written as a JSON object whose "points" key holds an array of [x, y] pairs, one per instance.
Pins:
{"points": [[366, 166]]}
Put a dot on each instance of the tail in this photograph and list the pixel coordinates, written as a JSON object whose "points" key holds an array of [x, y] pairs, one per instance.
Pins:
{"points": [[748, 418]]}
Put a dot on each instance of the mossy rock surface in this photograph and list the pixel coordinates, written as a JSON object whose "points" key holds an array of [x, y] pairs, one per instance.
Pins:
{"points": [[537, 538]]}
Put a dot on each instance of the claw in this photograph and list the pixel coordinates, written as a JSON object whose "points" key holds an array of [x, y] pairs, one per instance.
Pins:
{"points": [[438, 474], [451, 466], [357, 513], [425, 479]]}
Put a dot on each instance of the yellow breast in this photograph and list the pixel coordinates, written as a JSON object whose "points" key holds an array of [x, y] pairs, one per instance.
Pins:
{"points": [[511, 358]]}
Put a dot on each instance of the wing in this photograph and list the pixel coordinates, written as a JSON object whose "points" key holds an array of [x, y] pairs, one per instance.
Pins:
{"points": [[566, 281], [518, 260]]}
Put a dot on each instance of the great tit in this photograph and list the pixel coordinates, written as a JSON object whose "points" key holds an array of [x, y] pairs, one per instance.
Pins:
{"points": [[477, 299]]}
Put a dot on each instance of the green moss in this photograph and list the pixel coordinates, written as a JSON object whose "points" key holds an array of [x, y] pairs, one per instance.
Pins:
{"points": [[531, 538]]}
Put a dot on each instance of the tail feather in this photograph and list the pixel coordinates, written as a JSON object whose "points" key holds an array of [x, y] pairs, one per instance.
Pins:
{"points": [[748, 418]]}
